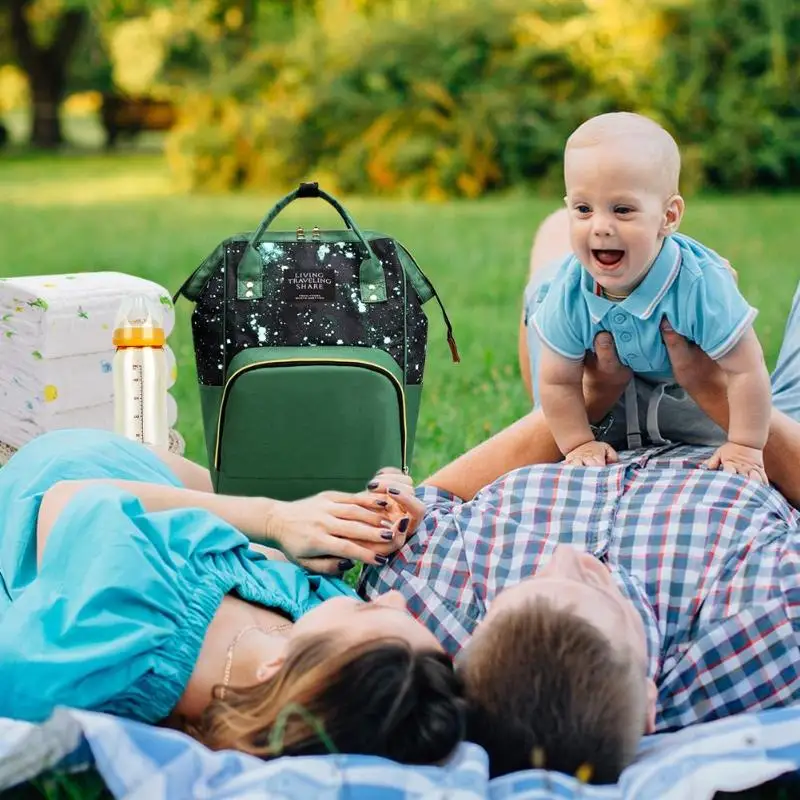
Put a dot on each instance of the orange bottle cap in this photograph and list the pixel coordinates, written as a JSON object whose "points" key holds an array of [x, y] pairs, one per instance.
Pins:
{"points": [[138, 337]]}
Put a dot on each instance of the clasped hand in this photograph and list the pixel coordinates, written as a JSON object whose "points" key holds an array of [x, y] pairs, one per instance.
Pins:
{"points": [[322, 531]]}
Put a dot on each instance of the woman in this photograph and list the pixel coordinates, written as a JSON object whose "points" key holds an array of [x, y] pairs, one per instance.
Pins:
{"points": [[129, 587]]}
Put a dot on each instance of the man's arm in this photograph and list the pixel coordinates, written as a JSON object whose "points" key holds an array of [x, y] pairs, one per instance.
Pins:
{"points": [[529, 440], [705, 381]]}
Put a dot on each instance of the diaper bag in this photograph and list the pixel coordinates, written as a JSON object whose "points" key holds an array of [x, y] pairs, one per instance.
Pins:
{"points": [[310, 348]]}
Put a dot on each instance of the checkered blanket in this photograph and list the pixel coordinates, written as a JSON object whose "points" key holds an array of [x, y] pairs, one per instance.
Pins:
{"points": [[139, 761]]}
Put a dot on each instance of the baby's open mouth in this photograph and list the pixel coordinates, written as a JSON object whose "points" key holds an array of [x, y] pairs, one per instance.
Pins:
{"points": [[608, 258]]}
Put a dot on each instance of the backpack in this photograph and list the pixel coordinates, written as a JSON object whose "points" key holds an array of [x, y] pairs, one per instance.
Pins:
{"points": [[310, 352]]}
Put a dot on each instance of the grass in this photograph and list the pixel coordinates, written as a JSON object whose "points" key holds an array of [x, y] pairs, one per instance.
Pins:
{"points": [[98, 212]]}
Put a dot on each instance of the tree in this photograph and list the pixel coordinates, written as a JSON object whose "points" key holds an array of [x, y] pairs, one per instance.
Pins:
{"points": [[46, 64]]}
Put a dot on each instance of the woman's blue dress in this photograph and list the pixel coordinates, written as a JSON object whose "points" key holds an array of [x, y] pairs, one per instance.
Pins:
{"points": [[114, 618]]}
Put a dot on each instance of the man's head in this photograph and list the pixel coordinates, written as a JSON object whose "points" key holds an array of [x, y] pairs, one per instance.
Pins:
{"points": [[621, 172], [556, 673]]}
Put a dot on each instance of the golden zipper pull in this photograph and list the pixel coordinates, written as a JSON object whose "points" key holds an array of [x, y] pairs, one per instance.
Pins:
{"points": [[301, 235], [315, 234]]}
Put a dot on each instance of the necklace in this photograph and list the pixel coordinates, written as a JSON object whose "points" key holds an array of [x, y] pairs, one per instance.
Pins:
{"points": [[226, 675], [616, 298]]}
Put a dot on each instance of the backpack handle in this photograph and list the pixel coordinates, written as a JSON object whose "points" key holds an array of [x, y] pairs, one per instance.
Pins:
{"points": [[250, 272]]}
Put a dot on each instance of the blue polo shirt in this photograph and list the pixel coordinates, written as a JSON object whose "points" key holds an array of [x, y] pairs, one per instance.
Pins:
{"points": [[688, 283]]}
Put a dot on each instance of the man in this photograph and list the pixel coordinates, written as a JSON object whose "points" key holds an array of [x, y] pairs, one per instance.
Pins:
{"points": [[673, 596]]}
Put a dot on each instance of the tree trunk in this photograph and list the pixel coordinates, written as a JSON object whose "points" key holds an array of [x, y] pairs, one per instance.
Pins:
{"points": [[47, 92], [46, 68]]}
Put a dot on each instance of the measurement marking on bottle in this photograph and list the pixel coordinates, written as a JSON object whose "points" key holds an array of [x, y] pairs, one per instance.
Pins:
{"points": [[138, 399]]}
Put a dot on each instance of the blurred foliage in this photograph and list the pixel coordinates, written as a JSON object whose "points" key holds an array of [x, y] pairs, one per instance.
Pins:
{"points": [[452, 102], [438, 98], [728, 83], [456, 98]]}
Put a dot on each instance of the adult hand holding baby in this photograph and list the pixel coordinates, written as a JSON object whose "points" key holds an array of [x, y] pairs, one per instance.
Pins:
{"points": [[707, 384]]}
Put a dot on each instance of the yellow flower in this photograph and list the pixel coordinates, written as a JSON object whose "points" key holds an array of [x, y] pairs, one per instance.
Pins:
{"points": [[50, 393]]}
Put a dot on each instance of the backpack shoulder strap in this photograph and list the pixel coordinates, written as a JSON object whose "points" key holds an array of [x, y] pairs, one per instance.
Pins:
{"points": [[425, 291]]}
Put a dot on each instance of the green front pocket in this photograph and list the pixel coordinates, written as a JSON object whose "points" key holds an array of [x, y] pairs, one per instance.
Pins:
{"points": [[296, 421]]}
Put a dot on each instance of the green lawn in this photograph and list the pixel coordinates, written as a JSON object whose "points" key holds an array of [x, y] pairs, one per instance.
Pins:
{"points": [[90, 212], [95, 212]]}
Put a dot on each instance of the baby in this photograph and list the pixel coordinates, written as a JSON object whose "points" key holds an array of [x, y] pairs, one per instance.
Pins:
{"points": [[630, 270]]}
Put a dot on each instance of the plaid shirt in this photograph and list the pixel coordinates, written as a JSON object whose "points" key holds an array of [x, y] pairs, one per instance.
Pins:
{"points": [[710, 560]]}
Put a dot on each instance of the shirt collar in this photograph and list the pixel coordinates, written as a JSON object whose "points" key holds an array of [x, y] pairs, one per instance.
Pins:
{"points": [[634, 591], [647, 295]]}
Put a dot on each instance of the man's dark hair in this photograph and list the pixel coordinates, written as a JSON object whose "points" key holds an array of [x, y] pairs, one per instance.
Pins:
{"points": [[547, 689]]}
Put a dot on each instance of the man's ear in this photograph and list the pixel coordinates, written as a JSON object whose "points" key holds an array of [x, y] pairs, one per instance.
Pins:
{"points": [[673, 215]]}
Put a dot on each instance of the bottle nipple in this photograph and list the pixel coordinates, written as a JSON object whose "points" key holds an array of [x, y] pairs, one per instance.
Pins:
{"points": [[139, 323]]}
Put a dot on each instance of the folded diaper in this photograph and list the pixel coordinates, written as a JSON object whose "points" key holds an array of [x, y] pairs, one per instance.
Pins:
{"points": [[17, 429], [54, 385], [64, 315]]}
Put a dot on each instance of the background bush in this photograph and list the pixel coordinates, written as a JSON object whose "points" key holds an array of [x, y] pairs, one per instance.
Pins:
{"points": [[458, 99]]}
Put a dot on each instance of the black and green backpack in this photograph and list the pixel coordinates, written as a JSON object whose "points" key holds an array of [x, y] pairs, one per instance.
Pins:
{"points": [[310, 350]]}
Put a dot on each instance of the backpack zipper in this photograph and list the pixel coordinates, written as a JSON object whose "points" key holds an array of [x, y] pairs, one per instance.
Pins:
{"points": [[401, 395]]}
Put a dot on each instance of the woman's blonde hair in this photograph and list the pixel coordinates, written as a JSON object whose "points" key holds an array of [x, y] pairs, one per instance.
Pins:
{"points": [[379, 697]]}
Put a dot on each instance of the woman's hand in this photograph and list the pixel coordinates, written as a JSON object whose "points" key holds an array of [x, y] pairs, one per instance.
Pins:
{"points": [[329, 531], [396, 490]]}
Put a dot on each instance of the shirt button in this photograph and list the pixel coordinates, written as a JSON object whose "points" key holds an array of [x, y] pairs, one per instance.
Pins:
{"points": [[625, 336], [620, 318]]}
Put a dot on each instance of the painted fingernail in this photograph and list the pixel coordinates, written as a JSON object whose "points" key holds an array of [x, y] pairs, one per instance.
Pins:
{"points": [[382, 503], [402, 527], [346, 564], [392, 490], [372, 485], [388, 535], [381, 559]]}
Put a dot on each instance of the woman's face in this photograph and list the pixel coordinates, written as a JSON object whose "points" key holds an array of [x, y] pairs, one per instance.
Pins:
{"points": [[355, 621]]}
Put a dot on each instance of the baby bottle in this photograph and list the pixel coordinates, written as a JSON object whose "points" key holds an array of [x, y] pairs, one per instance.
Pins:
{"points": [[140, 372]]}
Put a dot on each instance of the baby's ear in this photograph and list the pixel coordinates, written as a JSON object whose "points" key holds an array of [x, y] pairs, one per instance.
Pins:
{"points": [[673, 214]]}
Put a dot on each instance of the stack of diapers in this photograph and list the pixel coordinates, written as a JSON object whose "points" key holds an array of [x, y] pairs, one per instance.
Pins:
{"points": [[56, 353]]}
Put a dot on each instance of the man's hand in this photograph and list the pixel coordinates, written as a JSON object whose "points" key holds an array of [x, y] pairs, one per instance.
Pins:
{"points": [[604, 378], [592, 454], [739, 460], [701, 376]]}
